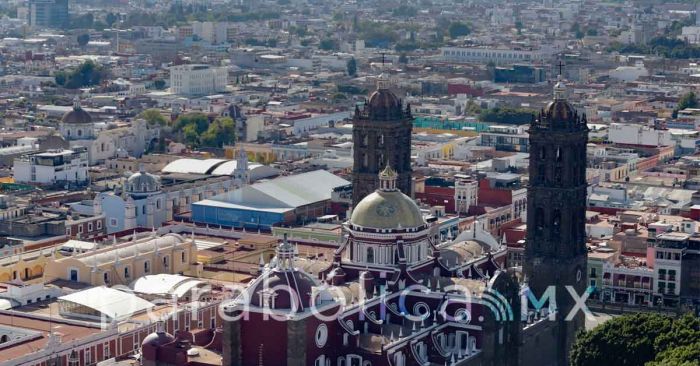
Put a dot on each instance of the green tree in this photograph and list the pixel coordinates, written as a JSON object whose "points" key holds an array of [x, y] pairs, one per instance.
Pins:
{"points": [[458, 29], [153, 117], [199, 121], [576, 30], [190, 135], [640, 339], [110, 19], [87, 74], [159, 84], [221, 132], [352, 67], [506, 115], [519, 26], [328, 44], [687, 100], [83, 39]]}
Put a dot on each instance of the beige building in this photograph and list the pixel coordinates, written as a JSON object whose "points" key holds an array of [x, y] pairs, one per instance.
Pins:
{"points": [[120, 264], [27, 266]]}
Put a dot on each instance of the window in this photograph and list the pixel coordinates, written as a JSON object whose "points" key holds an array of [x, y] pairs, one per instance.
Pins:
{"points": [[126, 272], [539, 218], [89, 227], [80, 229], [147, 267], [105, 277], [74, 275], [87, 355], [165, 262], [68, 231], [182, 257], [106, 351], [99, 225], [113, 222], [370, 255]]}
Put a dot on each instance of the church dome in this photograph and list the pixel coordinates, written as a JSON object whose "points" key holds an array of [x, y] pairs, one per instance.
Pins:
{"points": [[143, 182], [384, 99], [290, 290], [77, 115], [283, 286], [387, 207], [560, 110], [158, 338]]}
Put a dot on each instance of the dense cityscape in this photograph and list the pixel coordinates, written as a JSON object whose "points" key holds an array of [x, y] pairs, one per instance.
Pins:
{"points": [[349, 182]]}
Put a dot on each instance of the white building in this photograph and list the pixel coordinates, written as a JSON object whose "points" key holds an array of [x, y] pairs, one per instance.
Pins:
{"points": [[495, 55], [198, 79], [466, 194], [629, 73], [53, 167], [632, 134]]}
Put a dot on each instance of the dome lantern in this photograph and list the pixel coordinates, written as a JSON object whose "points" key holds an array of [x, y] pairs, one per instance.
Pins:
{"points": [[285, 255], [387, 179]]}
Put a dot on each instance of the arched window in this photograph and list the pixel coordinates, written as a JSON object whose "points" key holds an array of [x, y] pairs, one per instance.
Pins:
{"points": [[105, 277], [182, 257], [80, 132], [370, 255], [126, 272], [539, 218], [3, 339], [146, 267], [556, 221]]}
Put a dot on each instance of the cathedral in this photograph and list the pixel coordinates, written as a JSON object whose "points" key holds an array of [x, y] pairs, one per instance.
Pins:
{"points": [[394, 294]]}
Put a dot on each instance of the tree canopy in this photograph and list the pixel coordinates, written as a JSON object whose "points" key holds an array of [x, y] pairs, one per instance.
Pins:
{"points": [[87, 74], [352, 67], [640, 339], [83, 39], [153, 117], [458, 29], [688, 100], [507, 115], [197, 131]]}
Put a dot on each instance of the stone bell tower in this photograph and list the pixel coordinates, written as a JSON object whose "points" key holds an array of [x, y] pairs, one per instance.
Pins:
{"points": [[555, 252], [381, 136]]}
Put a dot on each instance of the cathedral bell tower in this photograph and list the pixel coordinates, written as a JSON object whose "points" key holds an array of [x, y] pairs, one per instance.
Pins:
{"points": [[381, 136], [555, 252]]}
